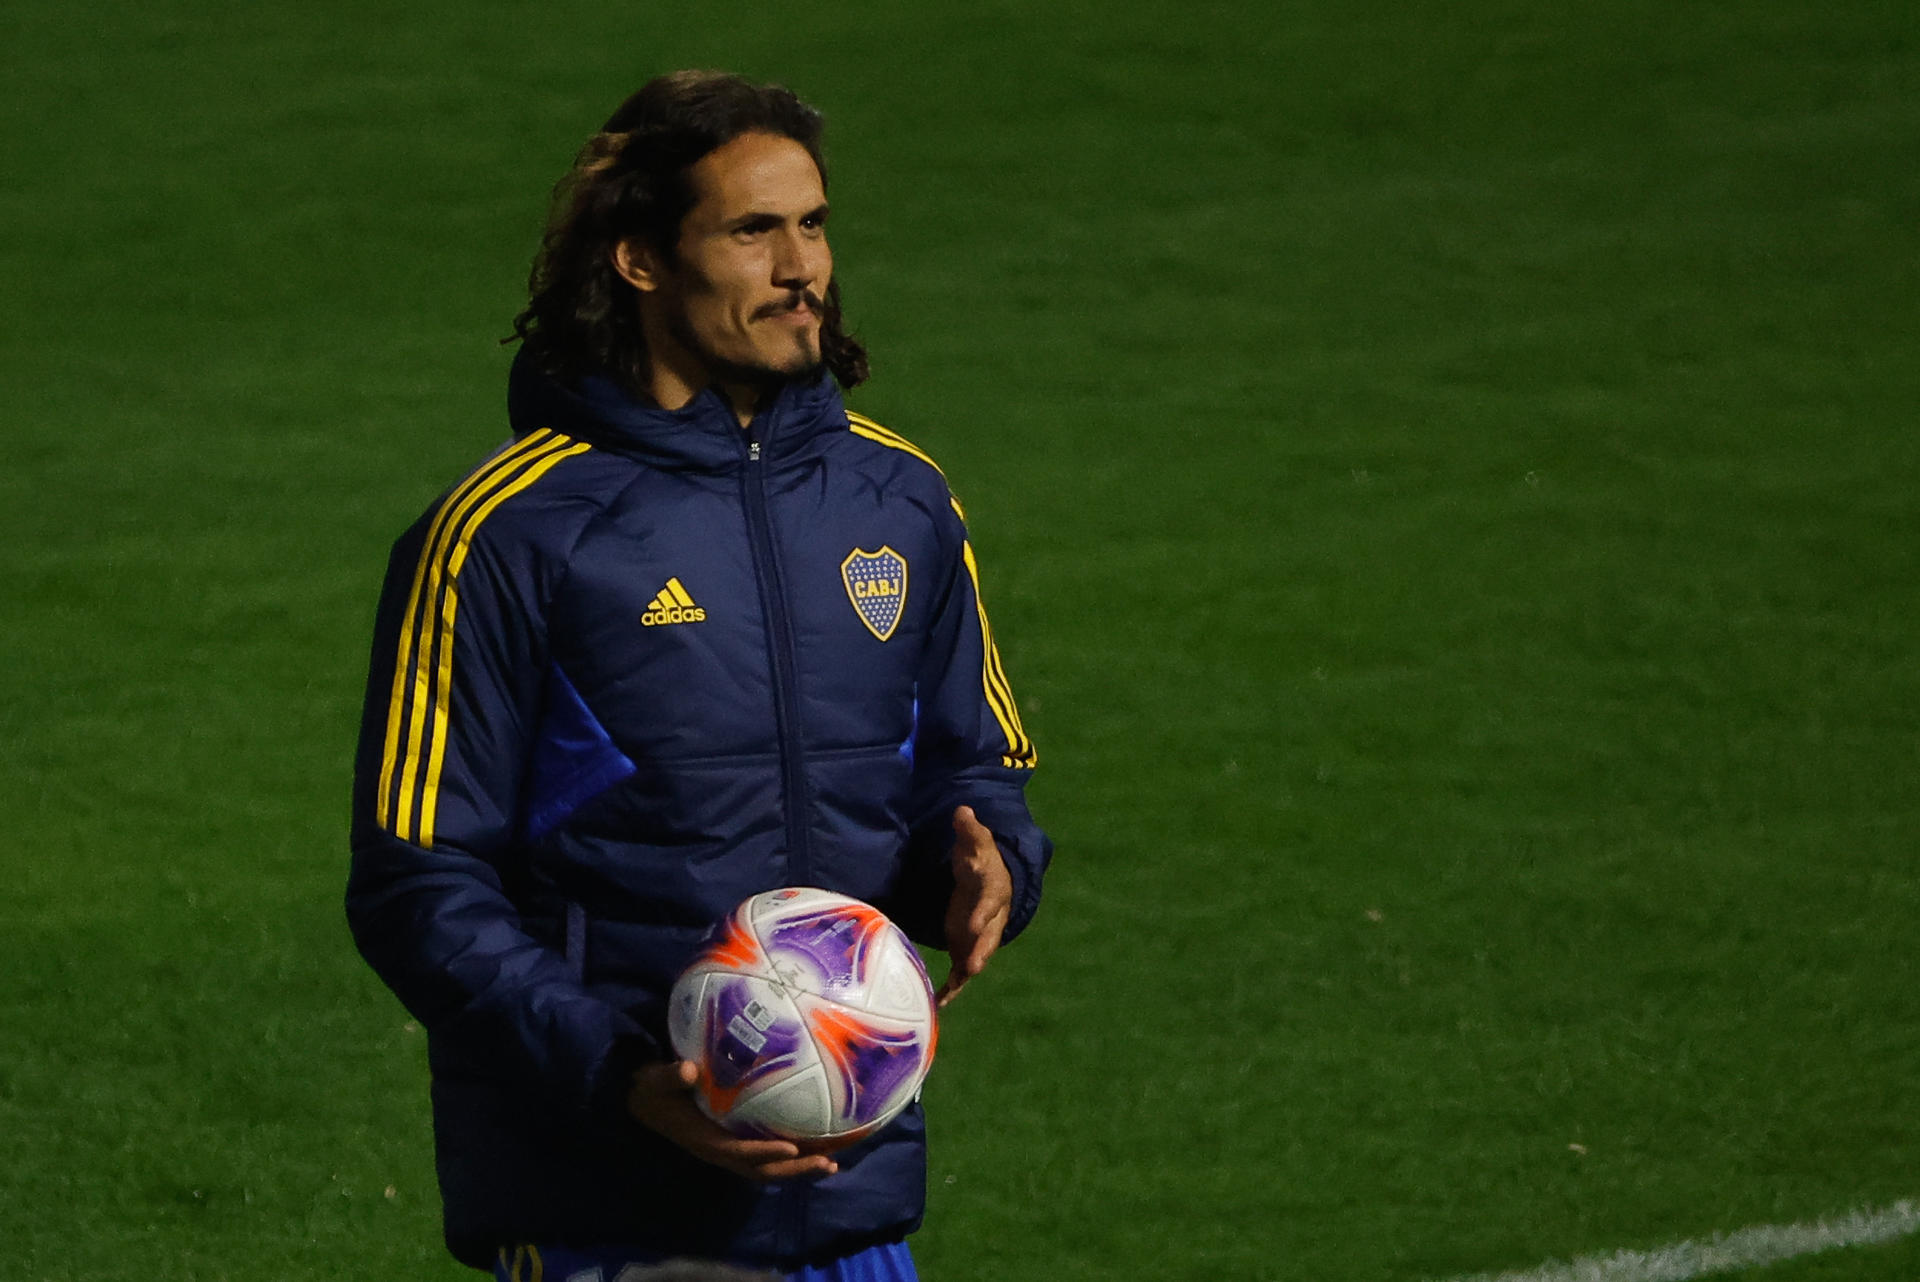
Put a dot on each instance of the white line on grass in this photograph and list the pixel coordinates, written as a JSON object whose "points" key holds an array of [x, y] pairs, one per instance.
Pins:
{"points": [[1726, 1252]]}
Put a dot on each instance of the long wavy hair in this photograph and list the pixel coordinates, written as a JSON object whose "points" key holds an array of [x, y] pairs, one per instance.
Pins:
{"points": [[630, 181]]}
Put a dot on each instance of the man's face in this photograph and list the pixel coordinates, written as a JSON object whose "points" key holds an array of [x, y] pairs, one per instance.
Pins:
{"points": [[743, 294]]}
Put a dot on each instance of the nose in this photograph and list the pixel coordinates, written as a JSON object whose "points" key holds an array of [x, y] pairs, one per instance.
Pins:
{"points": [[802, 262]]}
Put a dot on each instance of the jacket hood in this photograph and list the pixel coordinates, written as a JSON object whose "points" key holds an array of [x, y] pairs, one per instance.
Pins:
{"points": [[702, 435]]}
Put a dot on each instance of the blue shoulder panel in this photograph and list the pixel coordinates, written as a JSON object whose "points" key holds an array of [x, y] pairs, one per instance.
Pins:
{"points": [[574, 758]]}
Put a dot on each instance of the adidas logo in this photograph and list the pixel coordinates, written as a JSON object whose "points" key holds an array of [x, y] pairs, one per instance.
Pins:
{"points": [[673, 605]]}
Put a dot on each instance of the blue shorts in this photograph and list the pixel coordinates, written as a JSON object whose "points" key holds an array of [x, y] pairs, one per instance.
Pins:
{"points": [[889, 1263]]}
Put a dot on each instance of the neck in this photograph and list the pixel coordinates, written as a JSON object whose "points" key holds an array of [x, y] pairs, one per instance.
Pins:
{"points": [[674, 376], [672, 391]]}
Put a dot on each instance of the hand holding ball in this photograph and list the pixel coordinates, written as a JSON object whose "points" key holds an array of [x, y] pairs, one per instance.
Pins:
{"points": [[809, 1018]]}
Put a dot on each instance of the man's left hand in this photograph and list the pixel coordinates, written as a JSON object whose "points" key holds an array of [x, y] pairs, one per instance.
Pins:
{"points": [[982, 901]]}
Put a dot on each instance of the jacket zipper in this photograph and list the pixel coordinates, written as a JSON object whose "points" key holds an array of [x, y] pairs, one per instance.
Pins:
{"points": [[773, 604]]}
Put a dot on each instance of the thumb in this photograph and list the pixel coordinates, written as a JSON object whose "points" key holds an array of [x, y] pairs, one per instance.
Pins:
{"points": [[677, 1075], [654, 1091], [967, 826]]}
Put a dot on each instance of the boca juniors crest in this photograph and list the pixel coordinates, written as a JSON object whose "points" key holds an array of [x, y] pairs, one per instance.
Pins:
{"points": [[877, 586]]}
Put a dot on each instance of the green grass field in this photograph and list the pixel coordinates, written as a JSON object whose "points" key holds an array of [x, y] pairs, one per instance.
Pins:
{"points": [[1445, 477]]}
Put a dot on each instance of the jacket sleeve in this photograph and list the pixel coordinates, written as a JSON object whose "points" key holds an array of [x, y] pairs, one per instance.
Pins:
{"points": [[452, 703], [969, 749]]}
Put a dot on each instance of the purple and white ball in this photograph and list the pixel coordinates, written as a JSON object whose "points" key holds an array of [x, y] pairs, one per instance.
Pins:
{"points": [[809, 1016]]}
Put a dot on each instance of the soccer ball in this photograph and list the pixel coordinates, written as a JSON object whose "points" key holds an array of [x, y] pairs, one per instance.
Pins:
{"points": [[809, 1017]]}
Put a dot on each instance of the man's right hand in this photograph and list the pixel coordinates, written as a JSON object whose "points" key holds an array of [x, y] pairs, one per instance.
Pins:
{"points": [[661, 1098]]}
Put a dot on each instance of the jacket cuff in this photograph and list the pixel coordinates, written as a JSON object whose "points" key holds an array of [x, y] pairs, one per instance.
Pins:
{"points": [[1025, 872]]}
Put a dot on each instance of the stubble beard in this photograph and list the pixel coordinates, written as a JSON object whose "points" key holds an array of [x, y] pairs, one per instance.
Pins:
{"points": [[764, 378]]}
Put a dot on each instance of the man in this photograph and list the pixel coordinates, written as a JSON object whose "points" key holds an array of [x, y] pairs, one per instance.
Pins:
{"points": [[695, 633]]}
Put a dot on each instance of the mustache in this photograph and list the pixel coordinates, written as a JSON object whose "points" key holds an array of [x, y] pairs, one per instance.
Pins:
{"points": [[793, 302]]}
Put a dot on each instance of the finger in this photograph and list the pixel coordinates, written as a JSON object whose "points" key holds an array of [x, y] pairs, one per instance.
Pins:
{"points": [[962, 970], [697, 1133], [971, 960], [966, 970], [793, 1168], [769, 1159], [988, 920], [755, 1152], [662, 1099], [673, 1111], [764, 1160], [986, 944], [950, 989]]}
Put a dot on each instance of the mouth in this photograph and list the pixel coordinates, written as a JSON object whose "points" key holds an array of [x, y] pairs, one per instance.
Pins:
{"points": [[800, 310]]}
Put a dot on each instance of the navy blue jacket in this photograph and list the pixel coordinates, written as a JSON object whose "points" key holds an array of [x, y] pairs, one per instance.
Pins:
{"points": [[637, 666]]}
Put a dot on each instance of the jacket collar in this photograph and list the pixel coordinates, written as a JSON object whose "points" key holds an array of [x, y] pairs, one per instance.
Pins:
{"points": [[702, 435]]}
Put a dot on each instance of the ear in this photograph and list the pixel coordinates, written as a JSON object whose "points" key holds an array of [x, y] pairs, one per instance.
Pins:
{"points": [[638, 264]]}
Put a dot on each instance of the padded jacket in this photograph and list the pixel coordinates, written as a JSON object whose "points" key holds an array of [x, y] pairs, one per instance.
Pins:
{"points": [[637, 666]]}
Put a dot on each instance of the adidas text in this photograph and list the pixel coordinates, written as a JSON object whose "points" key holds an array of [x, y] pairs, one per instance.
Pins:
{"points": [[673, 614]]}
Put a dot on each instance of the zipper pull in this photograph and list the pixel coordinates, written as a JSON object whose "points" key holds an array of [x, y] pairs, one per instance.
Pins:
{"points": [[753, 451]]}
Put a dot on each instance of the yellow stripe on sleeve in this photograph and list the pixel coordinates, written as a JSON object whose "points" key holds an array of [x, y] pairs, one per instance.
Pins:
{"points": [[861, 425], [423, 664], [436, 635], [1020, 753], [527, 1255], [399, 702], [443, 684]]}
